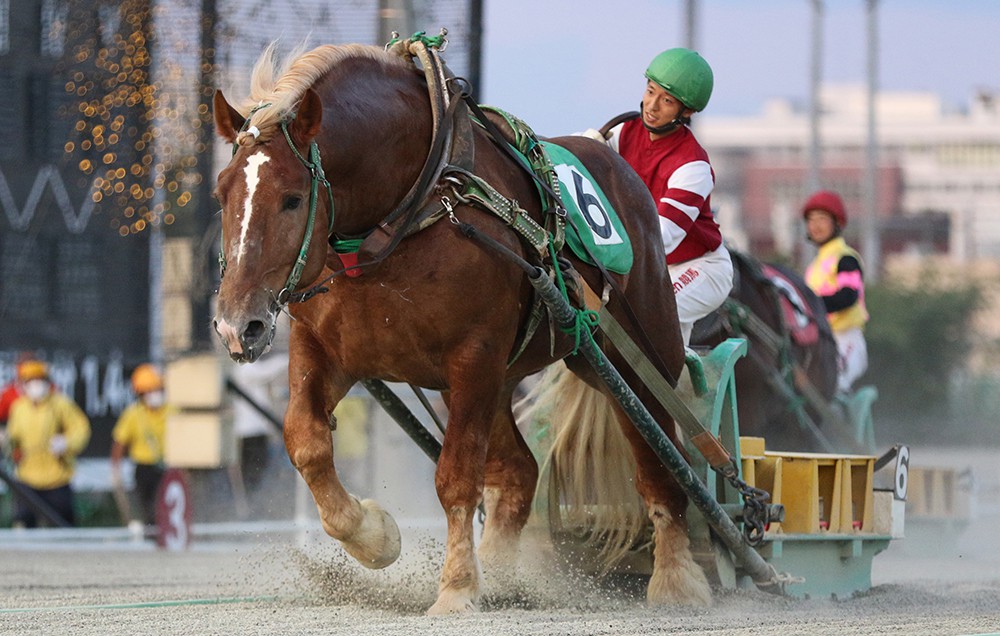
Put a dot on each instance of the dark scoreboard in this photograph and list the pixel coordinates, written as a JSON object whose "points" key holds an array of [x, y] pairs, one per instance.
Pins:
{"points": [[81, 303], [76, 172]]}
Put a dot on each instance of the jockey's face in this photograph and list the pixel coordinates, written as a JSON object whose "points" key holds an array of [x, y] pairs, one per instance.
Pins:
{"points": [[820, 226], [659, 107]]}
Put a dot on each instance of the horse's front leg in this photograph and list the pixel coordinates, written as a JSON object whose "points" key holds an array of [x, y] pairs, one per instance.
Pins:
{"points": [[459, 483], [366, 531]]}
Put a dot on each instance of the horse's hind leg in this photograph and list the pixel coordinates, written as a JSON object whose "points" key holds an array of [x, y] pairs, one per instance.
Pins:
{"points": [[365, 530], [511, 475], [676, 577]]}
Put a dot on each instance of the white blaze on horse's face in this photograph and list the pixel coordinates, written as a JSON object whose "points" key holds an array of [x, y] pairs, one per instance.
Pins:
{"points": [[252, 170]]}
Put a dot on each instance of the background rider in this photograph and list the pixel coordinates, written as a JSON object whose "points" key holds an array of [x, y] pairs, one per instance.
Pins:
{"points": [[835, 275]]}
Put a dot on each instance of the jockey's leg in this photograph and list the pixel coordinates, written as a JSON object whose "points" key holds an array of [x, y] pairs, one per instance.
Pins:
{"points": [[852, 352], [701, 285]]}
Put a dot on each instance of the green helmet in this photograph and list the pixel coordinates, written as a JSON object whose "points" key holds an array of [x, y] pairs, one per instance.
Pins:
{"points": [[685, 75]]}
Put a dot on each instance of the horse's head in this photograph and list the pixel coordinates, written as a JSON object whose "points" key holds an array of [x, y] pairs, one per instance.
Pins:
{"points": [[274, 222]]}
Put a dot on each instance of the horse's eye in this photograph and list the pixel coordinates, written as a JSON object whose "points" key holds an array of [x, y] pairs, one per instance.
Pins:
{"points": [[292, 202]]}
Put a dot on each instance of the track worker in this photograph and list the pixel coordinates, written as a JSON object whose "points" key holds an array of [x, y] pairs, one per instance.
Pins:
{"points": [[835, 275], [47, 430], [662, 149], [141, 430]]}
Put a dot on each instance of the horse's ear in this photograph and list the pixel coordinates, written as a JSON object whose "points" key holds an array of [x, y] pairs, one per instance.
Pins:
{"points": [[308, 118], [228, 121]]}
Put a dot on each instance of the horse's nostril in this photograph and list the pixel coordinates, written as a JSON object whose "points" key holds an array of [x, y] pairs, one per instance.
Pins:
{"points": [[255, 329]]}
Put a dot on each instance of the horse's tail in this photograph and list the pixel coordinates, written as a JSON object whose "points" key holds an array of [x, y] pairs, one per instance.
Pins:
{"points": [[588, 471]]}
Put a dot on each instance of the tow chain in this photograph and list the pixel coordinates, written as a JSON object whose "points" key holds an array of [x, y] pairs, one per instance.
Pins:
{"points": [[756, 512]]}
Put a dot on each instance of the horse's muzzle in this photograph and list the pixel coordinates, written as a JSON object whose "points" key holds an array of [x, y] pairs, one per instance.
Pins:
{"points": [[246, 344]]}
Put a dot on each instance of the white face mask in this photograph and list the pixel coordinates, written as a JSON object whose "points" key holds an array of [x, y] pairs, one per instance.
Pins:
{"points": [[154, 399], [36, 390]]}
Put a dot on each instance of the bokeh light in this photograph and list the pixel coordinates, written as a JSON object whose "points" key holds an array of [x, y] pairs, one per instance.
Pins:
{"points": [[146, 136]]}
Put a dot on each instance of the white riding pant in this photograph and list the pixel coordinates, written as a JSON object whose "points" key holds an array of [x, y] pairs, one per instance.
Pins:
{"points": [[852, 357], [700, 287]]}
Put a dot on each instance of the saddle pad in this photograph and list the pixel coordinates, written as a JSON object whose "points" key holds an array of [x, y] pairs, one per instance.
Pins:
{"points": [[595, 224], [798, 315]]}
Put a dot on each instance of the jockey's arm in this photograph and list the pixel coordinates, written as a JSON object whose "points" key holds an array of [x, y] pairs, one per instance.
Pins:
{"points": [[680, 204], [849, 283]]}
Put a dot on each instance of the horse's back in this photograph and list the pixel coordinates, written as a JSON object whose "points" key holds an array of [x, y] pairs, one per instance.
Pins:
{"points": [[626, 190], [646, 287]]}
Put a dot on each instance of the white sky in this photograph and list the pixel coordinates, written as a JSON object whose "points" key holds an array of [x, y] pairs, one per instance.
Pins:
{"points": [[567, 65]]}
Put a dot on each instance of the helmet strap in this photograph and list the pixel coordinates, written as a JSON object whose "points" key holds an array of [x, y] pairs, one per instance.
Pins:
{"points": [[668, 127]]}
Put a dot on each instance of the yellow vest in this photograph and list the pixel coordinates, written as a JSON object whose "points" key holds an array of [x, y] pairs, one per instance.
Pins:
{"points": [[32, 426], [141, 429], [821, 276]]}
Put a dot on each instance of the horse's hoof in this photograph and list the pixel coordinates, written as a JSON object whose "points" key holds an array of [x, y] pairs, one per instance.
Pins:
{"points": [[376, 544], [680, 586], [453, 602]]}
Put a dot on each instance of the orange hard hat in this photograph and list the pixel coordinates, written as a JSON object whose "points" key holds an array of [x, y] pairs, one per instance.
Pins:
{"points": [[829, 202], [32, 370], [146, 378]]}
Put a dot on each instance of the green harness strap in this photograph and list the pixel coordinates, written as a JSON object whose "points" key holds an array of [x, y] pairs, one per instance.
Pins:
{"points": [[536, 159]]}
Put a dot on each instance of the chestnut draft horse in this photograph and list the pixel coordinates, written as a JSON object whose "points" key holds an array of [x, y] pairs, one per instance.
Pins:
{"points": [[440, 311], [792, 352]]}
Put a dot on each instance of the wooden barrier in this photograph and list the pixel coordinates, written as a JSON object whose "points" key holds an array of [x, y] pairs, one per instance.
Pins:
{"points": [[821, 493], [198, 435], [937, 493]]}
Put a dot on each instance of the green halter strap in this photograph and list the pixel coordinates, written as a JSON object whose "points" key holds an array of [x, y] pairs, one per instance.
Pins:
{"points": [[314, 165]]}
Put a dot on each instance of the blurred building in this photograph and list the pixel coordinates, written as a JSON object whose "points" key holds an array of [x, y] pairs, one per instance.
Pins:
{"points": [[938, 173]]}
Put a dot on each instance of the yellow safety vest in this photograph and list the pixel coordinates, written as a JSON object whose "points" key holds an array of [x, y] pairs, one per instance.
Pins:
{"points": [[142, 430], [821, 276], [31, 428]]}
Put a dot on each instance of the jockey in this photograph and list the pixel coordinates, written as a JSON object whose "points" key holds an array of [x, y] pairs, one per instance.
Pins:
{"points": [[663, 150], [835, 275]]}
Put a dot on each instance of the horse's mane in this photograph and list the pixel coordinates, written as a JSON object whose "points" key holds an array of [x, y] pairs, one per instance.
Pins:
{"points": [[281, 83]]}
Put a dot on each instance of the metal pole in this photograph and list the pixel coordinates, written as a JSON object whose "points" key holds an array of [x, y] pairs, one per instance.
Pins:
{"points": [[691, 24], [39, 505], [815, 80], [398, 411], [156, 242], [394, 15], [476, 47], [870, 246], [266, 413], [207, 81]]}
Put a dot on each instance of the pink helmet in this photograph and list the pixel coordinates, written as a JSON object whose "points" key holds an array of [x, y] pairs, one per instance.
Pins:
{"points": [[828, 201]]}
